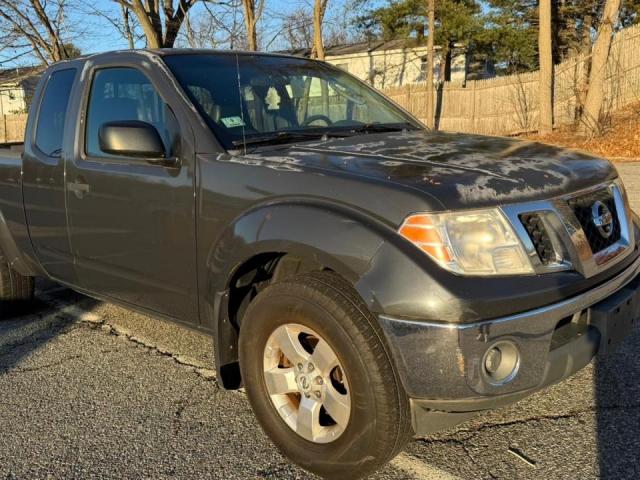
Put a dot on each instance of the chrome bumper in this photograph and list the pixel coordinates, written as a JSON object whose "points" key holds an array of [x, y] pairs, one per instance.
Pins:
{"points": [[444, 362]]}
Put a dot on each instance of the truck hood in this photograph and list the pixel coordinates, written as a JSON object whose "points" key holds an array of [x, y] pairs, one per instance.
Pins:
{"points": [[455, 170]]}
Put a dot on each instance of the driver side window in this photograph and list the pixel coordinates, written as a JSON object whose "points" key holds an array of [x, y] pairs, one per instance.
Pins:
{"points": [[122, 93]]}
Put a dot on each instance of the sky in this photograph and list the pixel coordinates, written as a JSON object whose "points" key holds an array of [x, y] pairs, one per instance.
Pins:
{"points": [[94, 33], [99, 35]]}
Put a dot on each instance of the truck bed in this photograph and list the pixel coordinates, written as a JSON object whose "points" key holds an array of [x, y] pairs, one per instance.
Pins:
{"points": [[10, 154], [10, 181]]}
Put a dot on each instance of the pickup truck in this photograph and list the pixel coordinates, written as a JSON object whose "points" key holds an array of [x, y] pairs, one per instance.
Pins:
{"points": [[363, 278]]}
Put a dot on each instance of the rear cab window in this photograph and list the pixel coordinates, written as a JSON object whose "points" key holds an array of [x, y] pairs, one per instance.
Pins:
{"points": [[53, 112]]}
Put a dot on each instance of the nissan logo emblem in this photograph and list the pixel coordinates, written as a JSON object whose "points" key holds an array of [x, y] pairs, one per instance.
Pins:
{"points": [[602, 219]]}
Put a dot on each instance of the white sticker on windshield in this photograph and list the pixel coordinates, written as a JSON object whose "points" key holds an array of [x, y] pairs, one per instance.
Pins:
{"points": [[231, 122]]}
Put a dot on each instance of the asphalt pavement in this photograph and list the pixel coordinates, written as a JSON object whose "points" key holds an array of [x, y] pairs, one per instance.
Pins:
{"points": [[90, 390]]}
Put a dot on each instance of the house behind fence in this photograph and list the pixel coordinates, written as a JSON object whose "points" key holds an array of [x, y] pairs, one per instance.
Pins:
{"points": [[17, 86], [509, 105], [392, 63]]}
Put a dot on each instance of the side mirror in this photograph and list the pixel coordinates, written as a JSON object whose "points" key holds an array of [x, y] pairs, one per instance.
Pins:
{"points": [[133, 138]]}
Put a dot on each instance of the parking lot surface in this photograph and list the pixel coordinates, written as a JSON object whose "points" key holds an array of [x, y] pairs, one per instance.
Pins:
{"points": [[90, 390]]}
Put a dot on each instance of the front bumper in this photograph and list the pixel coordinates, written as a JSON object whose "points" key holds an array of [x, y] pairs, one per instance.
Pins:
{"points": [[442, 365]]}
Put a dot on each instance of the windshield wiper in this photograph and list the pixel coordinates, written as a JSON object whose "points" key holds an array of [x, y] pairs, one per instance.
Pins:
{"points": [[284, 137], [383, 127], [276, 138]]}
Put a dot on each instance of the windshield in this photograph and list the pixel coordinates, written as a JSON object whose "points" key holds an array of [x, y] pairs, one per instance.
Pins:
{"points": [[255, 98]]}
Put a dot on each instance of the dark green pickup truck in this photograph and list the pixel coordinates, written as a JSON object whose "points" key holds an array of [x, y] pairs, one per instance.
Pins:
{"points": [[363, 278]]}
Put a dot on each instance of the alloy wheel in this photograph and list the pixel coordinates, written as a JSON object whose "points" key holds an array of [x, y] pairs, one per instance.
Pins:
{"points": [[306, 383]]}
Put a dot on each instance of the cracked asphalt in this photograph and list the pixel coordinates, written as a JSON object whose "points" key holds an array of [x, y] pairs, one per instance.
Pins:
{"points": [[90, 390]]}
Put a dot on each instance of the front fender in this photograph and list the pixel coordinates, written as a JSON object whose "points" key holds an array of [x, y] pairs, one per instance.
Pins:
{"points": [[391, 275], [341, 239], [344, 240]]}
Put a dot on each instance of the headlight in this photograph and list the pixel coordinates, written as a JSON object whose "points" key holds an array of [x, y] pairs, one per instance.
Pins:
{"points": [[479, 242]]}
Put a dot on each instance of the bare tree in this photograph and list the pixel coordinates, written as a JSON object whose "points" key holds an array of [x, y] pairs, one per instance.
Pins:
{"points": [[297, 29], [220, 25], [36, 26], [160, 20], [319, 10], [294, 30], [126, 24], [522, 103], [127, 31], [191, 34], [595, 96], [546, 68], [252, 12], [431, 11]]}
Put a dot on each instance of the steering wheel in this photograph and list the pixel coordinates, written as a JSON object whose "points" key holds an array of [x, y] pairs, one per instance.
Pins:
{"points": [[309, 120]]}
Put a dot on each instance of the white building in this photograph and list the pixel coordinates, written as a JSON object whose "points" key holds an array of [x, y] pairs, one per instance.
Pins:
{"points": [[16, 89], [391, 63]]}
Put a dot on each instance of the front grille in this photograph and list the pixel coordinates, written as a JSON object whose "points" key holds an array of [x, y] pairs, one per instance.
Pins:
{"points": [[534, 226], [582, 208]]}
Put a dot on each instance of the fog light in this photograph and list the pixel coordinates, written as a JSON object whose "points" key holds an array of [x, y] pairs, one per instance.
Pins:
{"points": [[493, 361], [501, 362]]}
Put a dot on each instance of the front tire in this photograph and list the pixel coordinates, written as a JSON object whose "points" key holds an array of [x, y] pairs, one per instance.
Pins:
{"points": [[320, 379]]}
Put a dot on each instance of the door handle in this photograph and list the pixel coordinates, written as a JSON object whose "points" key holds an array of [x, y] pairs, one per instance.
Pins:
{"points": [[170, 162], [79, 189]]}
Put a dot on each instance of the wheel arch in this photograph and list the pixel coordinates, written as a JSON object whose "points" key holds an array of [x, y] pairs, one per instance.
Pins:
{"points": [[11, 251], [275, 241]]}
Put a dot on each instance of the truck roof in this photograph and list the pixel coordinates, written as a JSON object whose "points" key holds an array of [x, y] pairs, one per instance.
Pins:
{"points": [[161, 52]]}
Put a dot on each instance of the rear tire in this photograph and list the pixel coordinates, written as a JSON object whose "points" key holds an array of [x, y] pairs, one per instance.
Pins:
{"points": [[324, 308], [14, 287]]}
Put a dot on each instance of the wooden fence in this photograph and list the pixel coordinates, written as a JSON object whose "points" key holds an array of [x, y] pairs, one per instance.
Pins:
{"points": [[12, 128], [509, 105]]}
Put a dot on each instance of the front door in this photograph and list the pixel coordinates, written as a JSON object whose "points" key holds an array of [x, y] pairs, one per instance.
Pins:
{"points": [[131, 223]]}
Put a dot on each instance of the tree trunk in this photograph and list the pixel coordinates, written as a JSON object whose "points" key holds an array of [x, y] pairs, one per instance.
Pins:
{"points": [[546, 69], [57, 48], [152, 30], [431, 9], [582, 80], [444, 54], [587, 24], [319, 8], [252, 37], [128, 33], [148, 14], [595, 96], [448, 59], [250, 21], [172, 27]]}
